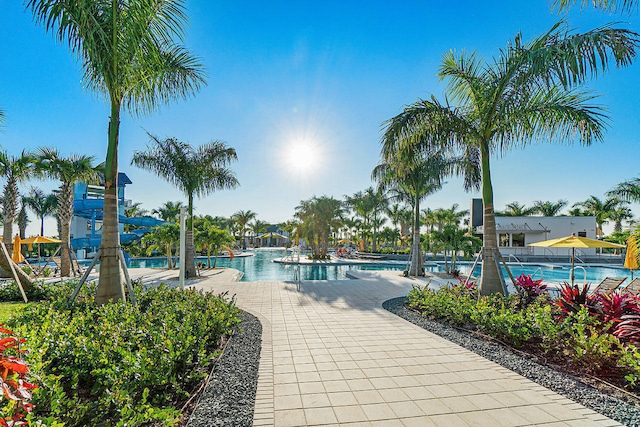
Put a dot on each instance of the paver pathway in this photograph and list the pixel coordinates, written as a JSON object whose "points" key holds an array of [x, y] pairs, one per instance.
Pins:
{"points": [[331, 355]]}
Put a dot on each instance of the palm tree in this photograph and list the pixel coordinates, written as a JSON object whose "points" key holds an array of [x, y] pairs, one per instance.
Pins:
{"points": [[525, 94], [624, 6], [129, 55], [413, 177], [23, 218], [549, 208], [627, 190], [43, 205], [602, 210], [318, 217], [515, 209], [214, 238], [454, 239], [619, 215], [15, 170], [242, 219], [194, 171], [169, 211], [67, 170], [257, 227], [163, 237]]}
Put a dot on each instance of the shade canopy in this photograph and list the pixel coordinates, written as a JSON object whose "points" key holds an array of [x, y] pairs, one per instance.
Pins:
{"points": [[16, 256], [272, 235], [576, 242], [36, 240], [631, 259]]}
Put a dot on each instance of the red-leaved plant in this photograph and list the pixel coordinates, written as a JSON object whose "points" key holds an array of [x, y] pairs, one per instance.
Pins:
{"points": [[572, 298], [13, 372], [612, 306], [467, 286], [529, 289]]}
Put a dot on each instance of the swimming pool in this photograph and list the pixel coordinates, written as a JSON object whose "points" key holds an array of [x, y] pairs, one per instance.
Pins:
{"points": [[261, 268]]}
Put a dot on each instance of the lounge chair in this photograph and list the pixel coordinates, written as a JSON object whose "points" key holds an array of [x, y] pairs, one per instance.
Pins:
{"points": [[633, 287], [608, 285]]}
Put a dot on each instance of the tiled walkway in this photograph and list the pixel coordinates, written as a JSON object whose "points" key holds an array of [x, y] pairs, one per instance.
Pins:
{"points": [[331, 355]]}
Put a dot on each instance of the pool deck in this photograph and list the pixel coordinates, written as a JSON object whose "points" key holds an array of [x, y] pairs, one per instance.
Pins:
{"points": [[331, 355]]}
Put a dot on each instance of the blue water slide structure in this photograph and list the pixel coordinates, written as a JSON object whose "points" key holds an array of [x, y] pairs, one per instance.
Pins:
{"points": [[90, 210]]}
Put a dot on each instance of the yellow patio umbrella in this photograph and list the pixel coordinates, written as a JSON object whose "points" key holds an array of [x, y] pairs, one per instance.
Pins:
{"points": [[16, 256], [36, 240], [271, 234], [574, 242], [631, 258]]}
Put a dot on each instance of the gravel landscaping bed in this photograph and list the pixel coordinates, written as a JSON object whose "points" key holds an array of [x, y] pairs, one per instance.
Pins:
{"points": [[230, 395], [569, 386]]}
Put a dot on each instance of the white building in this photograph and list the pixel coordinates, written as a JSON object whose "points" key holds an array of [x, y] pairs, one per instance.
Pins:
{"points": [[516, 233]]}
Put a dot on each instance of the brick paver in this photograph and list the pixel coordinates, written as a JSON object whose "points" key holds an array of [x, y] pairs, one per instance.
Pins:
{"points": [[331, 355]]}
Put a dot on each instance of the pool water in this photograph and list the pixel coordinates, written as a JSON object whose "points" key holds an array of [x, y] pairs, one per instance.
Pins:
{"points": [[261, 268]]}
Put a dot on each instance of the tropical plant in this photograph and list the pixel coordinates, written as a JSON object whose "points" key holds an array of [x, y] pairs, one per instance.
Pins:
{"points": [[369, 205], [526, 94], [455, 240], [515, 209], [169, 211], [67, 170], [529, 289], [164, 238], [215, 238], [547, 208], [15, 170], [623, 6], [413, 176], [318, 216], [602, 210], [22, 220], [242, 219], [619, 215], [194, 171], [43, 205], [128, 52], [256, 227]]}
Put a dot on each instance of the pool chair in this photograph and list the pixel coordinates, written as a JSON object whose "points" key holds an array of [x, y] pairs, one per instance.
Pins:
{"points": [[608, 285], [633, 287]]}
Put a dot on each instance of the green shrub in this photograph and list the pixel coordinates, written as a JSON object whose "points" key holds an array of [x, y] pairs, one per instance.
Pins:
{"points": [[10, 292], [629, 362], [118, 364]]}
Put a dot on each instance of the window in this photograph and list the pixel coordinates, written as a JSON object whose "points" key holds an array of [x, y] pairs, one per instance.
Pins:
{"points": [[582, 234], [503, 239], [517, 240]]}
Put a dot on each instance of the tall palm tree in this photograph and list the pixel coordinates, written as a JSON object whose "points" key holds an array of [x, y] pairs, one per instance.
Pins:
{"points": [[23, 218], [413, 176], [43, 205], [627, 190], [128, 51], [194, 171], [67, 170], [619, 215], [515, 209], [242, 219], [602, 210], [548, 208], [15, 170], [527, 93], [318, 217], [624, 6], [169, 211]]}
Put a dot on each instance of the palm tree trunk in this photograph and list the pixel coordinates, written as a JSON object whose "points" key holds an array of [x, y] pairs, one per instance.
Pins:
{"points": [[169, 257], [415, 268], [109, 284], [65, 212], [190, 250], [9, 212], [490, 282], [26, 282]]}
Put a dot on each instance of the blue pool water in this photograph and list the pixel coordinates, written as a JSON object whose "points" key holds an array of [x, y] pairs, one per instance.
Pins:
{"points": [[261, 268]]}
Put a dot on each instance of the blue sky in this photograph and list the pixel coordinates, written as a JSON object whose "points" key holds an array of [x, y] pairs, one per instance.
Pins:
{"points": [[328, 74]]}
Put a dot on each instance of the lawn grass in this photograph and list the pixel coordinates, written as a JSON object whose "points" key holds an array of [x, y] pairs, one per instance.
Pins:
{"points": [[9, 308]]}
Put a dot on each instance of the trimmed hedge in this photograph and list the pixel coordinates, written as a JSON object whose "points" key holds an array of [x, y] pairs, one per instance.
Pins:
{"points": [[118, 364]]}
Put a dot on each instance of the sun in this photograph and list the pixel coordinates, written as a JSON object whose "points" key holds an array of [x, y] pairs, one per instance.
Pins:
{"points": [[302, 156]]}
